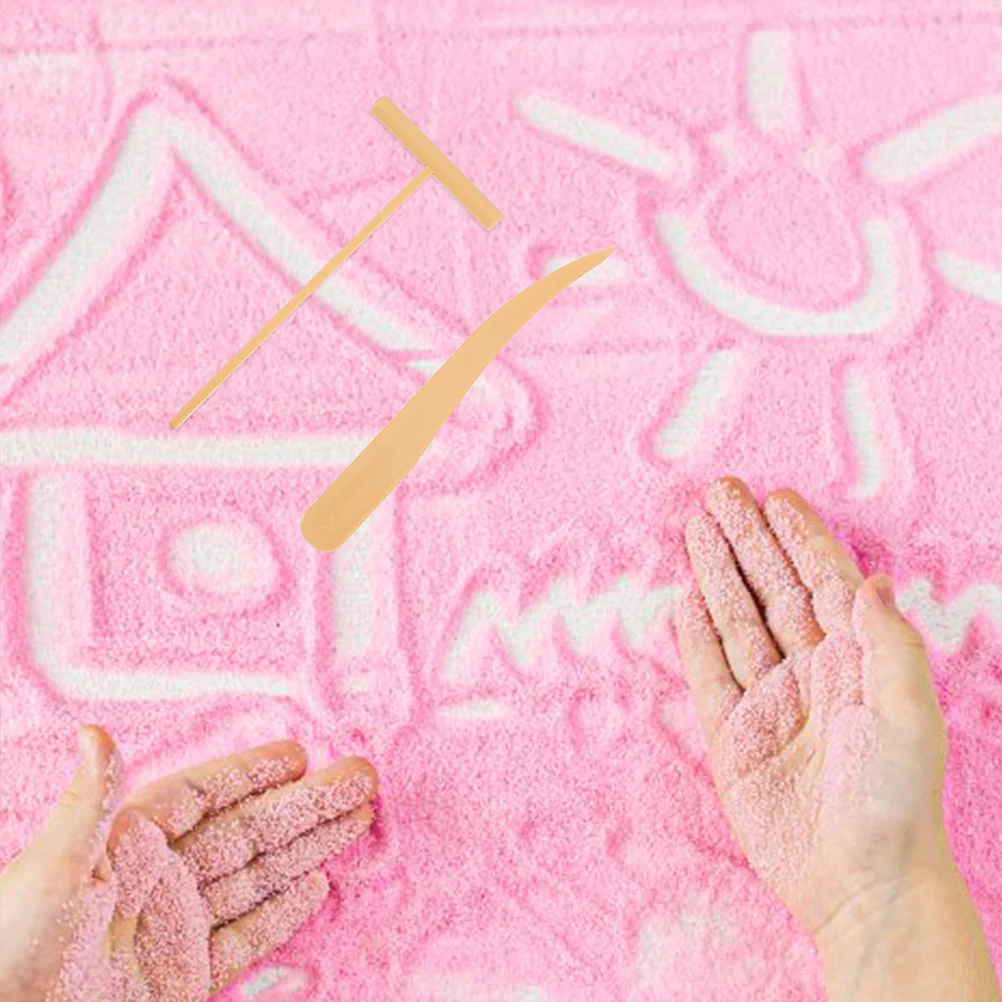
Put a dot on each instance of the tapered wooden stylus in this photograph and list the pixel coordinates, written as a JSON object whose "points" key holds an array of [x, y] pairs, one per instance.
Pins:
{"points": [[391, 455]]}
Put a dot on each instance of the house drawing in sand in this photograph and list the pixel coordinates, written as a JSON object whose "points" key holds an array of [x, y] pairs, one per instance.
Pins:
{"points": [[92, 363]]}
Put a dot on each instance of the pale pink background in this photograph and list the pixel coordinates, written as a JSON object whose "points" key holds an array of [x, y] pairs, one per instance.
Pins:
{"points": [[497, 639]]}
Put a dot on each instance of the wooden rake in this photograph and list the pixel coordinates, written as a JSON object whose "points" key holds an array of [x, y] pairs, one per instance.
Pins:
{"points": [[436, 164]]}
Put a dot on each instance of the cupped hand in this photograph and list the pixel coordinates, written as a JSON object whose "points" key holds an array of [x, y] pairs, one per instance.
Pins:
{"points": [[826, 740], [195, 878]]}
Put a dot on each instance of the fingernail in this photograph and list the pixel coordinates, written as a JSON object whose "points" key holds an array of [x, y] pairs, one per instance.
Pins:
{"points": [[884, 589], [86, 750]]}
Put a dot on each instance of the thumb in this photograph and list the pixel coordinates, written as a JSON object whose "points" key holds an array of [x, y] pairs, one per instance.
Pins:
{"points": [[897, 678], [73, 829]]}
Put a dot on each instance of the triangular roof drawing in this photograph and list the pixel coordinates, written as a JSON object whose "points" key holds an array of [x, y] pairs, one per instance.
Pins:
{"points": [[153, 140]]}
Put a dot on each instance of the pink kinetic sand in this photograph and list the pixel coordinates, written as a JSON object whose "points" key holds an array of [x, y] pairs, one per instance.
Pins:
{"points": [[805, 202]]}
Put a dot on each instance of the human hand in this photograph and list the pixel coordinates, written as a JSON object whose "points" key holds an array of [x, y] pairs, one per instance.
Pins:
{"points": [[201, 875], [826, 741]]}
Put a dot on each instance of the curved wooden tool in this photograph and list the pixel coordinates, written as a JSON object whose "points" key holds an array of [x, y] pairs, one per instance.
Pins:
{"points": [[391, 455]]}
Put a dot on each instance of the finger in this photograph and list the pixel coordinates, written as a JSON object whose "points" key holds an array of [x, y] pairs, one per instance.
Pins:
{"points": [[229, 841], [179, 802], [897, 677], [771, 578], [171, 937], [234, 947], [139, 855], [714, 689], [232, 896], [73, 832], [824, 565], [748, 645]]}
